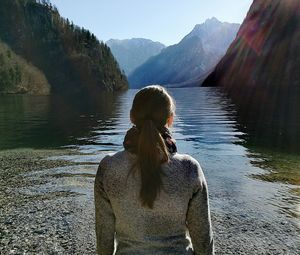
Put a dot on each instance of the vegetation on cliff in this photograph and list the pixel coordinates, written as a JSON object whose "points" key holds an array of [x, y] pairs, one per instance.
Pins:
{"points": [[72, 58], [19, 76]]}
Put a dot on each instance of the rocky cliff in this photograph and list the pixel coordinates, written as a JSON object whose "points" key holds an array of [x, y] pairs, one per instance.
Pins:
{"points": [[184, 63], [260, 70]]}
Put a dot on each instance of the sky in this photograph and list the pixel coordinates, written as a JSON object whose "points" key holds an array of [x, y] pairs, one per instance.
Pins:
{"points": [[166, 21]]}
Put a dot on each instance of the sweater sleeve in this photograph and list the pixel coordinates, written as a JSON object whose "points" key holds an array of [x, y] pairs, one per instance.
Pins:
{"points": [[198, 215], [105, 219]]}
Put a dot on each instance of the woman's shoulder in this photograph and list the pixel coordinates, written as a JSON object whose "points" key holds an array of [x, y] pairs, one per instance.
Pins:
{"points": [[190, 165], [116, 159], [180, 161], [187, 160], [113, 164]]}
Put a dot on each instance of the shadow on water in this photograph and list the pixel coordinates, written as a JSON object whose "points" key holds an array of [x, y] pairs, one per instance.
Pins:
{"points": [[272, 138], [279, 167], [271, 133], [53, 121], [240, 165], [270, 119], [254, 191]]}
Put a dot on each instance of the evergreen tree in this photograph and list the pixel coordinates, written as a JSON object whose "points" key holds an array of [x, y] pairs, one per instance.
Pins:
{"points": [[71, 57]]}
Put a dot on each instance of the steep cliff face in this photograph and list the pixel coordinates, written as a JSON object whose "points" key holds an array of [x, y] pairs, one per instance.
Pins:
{"points": [[173, 65], [266, 52], [72, 59], [183, 64], [18, 76], [260, 70]]}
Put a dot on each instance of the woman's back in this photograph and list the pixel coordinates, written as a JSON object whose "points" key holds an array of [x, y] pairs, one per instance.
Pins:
{"points": [[181, 205]]}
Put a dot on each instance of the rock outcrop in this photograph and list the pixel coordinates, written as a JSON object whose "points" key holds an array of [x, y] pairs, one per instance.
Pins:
{"points": [[260, 70]]}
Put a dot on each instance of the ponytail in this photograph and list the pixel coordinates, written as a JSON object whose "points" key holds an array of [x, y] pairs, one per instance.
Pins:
{"points": [[151, 108], [152, 152]]}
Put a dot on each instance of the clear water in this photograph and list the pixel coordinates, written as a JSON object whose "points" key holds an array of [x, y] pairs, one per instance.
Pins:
{"points": [[243, 180]]}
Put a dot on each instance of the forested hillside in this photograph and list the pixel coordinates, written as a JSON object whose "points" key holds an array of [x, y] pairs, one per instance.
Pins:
{"points": [[18, 76], [72, 59]]}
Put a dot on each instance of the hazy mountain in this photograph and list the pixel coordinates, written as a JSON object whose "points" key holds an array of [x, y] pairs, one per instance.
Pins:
{"points": [[131, 53], [190, 59], [216, 36], [261, 68], [72, 58]]}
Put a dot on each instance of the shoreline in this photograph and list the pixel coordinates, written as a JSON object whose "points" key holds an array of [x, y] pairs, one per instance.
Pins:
{"points": [[46, 199]]}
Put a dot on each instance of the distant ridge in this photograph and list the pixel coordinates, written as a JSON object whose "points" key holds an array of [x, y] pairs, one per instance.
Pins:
{"points": [[196, 54], [131, 53]]}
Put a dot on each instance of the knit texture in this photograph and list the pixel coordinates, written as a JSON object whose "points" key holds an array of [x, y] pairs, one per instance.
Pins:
{"points": [[178, 224]]}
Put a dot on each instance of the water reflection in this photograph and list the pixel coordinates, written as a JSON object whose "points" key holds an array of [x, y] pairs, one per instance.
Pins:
{"points": [[52, 121], [279, 167], [208, 128], [271, 122], [243, 178]]}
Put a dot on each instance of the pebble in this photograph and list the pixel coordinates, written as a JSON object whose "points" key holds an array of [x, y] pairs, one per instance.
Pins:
{"points": [[63, 223]]}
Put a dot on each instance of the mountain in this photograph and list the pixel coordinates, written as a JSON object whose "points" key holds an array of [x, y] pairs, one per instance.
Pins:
{"points": [[216, 36], [72, 58], [260, 70], [195, 55], [131, 53], [19, 76]]}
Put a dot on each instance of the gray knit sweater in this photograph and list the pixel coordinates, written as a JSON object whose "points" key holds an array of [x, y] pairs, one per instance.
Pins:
{"points": [[178, 224]]}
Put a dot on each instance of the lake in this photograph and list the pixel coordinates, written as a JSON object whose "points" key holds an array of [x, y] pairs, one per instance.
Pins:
{"points": [[250, 185]]}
